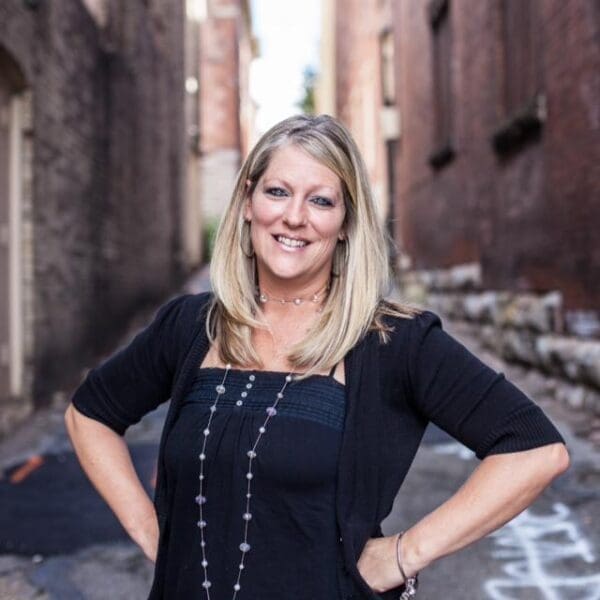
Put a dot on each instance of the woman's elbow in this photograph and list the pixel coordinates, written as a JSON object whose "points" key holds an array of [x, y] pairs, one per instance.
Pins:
{"points": [[554, 460], [559, 459], [68, 416], [72, 418]]}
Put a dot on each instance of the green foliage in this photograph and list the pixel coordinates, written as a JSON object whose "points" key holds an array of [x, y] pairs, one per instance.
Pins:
{"points": [[307, 102], [208, 237]]}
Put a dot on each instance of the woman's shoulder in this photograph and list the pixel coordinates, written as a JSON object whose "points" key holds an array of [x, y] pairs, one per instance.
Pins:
{"points": [[188, 306], [401, 319], [404, 329], [181, 315]]}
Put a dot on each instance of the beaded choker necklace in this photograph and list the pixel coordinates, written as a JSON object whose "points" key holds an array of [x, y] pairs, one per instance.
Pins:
{"points": [[201, 499], [263, 298]]}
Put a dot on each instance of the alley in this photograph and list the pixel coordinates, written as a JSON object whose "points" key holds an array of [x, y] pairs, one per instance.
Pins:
{"points": [[311, 151]]}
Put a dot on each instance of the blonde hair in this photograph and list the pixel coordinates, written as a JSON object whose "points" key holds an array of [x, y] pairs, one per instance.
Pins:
{"points": [[361, 275]]}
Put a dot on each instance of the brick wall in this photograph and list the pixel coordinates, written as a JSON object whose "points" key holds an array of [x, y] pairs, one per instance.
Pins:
{"points": [[108, 155], [531, 217], [219, 77], [220, 137]]}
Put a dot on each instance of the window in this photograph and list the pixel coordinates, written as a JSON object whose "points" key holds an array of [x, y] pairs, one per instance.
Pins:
{"points": [[439, 18], [388, 80], [522, 101]]}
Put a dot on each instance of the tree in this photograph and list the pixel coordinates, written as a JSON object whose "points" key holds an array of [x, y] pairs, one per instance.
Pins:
{"points": [[307, 101]]}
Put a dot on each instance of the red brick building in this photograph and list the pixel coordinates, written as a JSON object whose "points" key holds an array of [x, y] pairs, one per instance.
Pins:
{"points": [[227, 46], [350, 86], [496, 160], [500, 153]]}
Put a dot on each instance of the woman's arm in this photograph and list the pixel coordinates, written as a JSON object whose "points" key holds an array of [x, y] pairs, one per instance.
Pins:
{"points": [[500, 488], [106, 460]]}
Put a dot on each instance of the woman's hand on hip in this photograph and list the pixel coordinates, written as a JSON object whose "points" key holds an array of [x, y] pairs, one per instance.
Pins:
{"points": [[378, 565]]}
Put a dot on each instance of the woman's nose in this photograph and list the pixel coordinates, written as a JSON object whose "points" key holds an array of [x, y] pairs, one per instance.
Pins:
{"points": [[295, 215]]}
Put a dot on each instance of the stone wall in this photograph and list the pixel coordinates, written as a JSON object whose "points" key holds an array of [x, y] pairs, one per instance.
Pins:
{"points": [[520, 327]]}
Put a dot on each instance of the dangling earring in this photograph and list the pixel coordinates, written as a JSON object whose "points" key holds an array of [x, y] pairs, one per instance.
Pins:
{"points": [[246, 242], [340, 258]]}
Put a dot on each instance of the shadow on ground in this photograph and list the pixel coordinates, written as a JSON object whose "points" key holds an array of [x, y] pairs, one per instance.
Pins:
{"points": [[55, 510]]}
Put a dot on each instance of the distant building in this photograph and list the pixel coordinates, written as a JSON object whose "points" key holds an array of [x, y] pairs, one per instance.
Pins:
{"points": [[356, 84], [491, 150], [226, 111]]}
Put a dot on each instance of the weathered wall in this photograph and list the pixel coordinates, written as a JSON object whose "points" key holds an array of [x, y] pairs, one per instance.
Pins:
{"points": [[357, 26], [529, 218], [108, 159]]}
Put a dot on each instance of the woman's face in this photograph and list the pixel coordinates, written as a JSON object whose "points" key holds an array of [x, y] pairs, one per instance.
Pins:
{"points": [[296, 213]]}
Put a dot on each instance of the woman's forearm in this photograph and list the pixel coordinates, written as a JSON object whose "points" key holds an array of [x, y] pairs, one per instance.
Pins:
{"points": [[500, 488], [105, 458]]}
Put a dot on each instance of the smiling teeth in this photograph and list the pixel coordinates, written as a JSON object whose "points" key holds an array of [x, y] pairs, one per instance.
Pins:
{"points": [[290, 242]]}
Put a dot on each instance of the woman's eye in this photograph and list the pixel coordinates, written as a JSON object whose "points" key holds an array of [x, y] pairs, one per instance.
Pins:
{"points": [[276, 192], [280, 193], [319, 200]]}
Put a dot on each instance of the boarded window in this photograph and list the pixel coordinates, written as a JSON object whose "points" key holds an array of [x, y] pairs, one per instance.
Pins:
{"points": [[439, 17], [388, 82], [523, 104], [520, 52]]}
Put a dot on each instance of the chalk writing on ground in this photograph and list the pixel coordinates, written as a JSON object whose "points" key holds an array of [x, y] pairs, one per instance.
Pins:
{"points": [[546, 558]]}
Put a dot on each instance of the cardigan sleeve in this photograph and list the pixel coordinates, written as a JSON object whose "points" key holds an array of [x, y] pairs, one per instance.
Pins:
{"points": [[137, 377], [467, 398]]}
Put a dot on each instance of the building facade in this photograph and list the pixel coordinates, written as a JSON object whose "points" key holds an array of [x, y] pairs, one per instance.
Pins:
{"points": [[357, 84], [481, 122], [92, 179], [499, 160], [227, 46]]}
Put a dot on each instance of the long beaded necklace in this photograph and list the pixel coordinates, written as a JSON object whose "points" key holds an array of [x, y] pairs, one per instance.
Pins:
{"points": [[201, 498]]}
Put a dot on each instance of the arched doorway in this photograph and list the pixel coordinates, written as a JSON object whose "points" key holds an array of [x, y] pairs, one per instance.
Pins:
{"points": [[13, 108]]}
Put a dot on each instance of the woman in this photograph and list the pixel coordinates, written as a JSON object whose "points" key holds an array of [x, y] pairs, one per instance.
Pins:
{"points": [[299, 397]]}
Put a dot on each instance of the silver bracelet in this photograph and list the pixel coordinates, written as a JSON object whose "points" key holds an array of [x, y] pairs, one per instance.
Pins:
{"points": [[410, 583]]}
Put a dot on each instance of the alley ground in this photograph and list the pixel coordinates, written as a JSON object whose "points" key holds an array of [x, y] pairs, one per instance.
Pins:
{"points": [[58, 541]]}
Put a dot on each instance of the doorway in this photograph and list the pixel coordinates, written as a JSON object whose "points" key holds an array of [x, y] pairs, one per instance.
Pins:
{"points": [[12, 104]]}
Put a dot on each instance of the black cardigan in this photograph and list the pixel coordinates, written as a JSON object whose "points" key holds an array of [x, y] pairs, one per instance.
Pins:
{"points": [[393, 390]]}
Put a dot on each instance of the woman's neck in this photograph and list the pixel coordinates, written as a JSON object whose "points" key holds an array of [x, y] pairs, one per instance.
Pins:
{"points": [[282, 293]]}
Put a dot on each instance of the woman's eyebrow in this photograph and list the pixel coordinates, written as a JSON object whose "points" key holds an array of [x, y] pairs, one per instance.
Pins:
{"points": [[318, 186]]}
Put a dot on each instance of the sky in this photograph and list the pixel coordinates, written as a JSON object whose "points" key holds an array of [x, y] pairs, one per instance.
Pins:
{"points": [[288, 33]]}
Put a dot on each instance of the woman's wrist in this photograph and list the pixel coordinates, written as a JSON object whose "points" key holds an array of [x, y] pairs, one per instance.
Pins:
{"points": [[410, 582], [407, 554]]}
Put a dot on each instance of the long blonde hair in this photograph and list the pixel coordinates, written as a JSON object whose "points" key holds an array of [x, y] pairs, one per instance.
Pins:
{"points": [[360, 275]]}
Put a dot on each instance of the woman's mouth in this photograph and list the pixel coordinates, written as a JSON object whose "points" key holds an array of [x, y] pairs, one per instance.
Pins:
{"points": [[287, 242]]}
